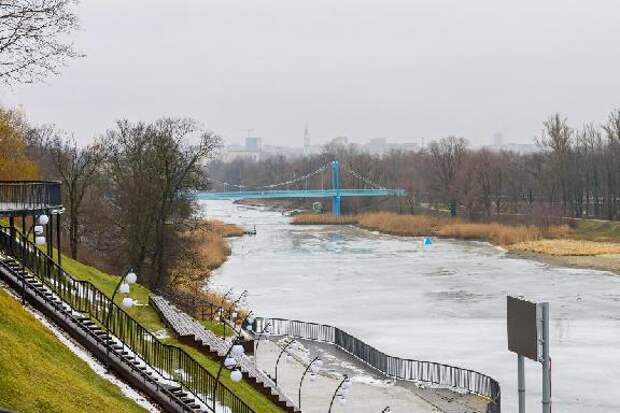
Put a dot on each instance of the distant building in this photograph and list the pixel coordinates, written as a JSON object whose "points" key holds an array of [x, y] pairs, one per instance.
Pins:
{"points": [[252, 150], [381, 146], [254, 144], [340, 140], [520, 148]]}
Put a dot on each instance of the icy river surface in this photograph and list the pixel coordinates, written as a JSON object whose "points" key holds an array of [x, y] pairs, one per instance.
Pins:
{"points": [[445, 303]]}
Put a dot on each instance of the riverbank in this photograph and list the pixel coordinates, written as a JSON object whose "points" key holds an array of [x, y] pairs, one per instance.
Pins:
{"points": [[590, 244], [206, 249]]}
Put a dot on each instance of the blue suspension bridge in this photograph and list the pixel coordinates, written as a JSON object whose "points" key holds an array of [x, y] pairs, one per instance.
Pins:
{"points": [[336, 193]]}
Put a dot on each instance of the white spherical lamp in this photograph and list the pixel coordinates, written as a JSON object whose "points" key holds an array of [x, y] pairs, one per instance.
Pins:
{"points": [[39, 239], [237, 351], [124, 288], [312, 376], [342, 400], [43, 219], [128, 302], [236, 376], [38, 229], [230, 362], [251, 319], [131, 277]]}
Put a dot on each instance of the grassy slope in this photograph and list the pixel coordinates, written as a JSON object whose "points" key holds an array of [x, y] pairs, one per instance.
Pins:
{"points": [[147, 316], [40, 374]]}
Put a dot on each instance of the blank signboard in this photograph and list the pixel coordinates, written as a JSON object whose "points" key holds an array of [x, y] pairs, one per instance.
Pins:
{"points": [[522, 328]]}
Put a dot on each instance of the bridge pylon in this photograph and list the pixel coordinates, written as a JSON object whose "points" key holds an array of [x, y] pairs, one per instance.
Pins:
{"points": [[336, 187]]}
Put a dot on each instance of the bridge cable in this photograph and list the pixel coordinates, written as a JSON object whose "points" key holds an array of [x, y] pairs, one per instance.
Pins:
{"points": [[289, 182]]}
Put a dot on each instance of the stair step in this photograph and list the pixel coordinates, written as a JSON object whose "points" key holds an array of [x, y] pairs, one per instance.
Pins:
{"points": [[173, 388]]}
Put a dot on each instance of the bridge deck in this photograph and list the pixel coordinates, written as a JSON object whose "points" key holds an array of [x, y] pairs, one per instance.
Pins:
{"points": [[310, 193]]}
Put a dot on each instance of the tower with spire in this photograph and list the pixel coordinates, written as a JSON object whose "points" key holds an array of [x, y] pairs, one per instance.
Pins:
{"points": [[306, 141]]}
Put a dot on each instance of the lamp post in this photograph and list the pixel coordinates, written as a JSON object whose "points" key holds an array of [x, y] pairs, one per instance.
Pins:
{"points": [[39, 238], [265, 333], [279, 357], [129, 277], [316, 362], [231, 361], [341, 391], [224, 297], [232, 313]]}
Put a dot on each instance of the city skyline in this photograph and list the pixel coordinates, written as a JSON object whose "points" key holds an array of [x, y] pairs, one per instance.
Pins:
{"points": [[402, 70]]}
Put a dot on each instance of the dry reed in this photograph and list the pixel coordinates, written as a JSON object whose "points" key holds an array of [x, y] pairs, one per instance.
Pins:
{"points": [[567, 247], [323, 219], [427, 225]]}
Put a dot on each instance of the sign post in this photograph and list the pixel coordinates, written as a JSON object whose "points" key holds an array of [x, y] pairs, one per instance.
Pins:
{"points": [[528, 336], [546, 360]]}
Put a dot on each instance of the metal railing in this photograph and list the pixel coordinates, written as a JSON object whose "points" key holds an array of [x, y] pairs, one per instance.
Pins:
{"points": [[171, 362], [29, 195], [403, 369]]}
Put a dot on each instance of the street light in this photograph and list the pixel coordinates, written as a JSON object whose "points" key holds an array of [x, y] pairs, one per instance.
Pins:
{"points": [[224, 297], [265, 333], [317, 362], [129, 277], [279, 357], [231, 360], [341, 392], [39, 239]]}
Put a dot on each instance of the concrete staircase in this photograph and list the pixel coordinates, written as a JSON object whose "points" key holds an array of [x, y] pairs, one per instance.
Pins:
{"points": [[191, 332]]}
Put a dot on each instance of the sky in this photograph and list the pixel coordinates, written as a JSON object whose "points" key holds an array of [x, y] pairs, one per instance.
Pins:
{"points": [[401, 69]]}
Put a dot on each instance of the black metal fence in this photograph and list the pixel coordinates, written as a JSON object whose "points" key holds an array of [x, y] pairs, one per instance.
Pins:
{"points": [[171, 362], [403, 369], [29, 195]]}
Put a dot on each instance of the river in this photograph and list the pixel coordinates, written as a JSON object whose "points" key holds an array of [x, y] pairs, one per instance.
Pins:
{"points": [[445, 302]]}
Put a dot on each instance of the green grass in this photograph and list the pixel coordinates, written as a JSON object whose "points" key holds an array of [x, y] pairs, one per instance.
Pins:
{"points": [[217, 328], [148, 317], [39, 374], [596, 230]]}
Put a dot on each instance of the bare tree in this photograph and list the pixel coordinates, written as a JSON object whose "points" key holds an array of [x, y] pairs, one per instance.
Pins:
{"points": [[446, 158], [33, 40], [76, 167], [151, 169]]}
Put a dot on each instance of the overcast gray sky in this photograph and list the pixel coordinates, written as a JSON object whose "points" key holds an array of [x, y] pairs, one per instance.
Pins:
{"points": [[402, 69]]}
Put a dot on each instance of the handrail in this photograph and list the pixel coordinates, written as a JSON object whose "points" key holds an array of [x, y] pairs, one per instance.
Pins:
{"points": [[171, 362], [403, 369], [30, 195]]}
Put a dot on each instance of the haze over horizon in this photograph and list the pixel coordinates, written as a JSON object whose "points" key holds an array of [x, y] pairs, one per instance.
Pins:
{"points": [[362, 69]]}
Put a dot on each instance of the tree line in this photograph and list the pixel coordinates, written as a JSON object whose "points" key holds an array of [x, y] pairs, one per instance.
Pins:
{"points": [[575, 173], [127, 195]]}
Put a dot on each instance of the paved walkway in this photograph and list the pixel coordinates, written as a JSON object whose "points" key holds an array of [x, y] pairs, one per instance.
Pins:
{"points": [[367, 395], [371, 393]]}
